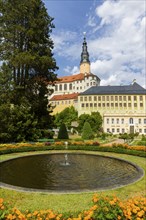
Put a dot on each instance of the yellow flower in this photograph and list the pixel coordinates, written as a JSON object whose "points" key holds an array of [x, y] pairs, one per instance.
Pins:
{"points": [[141, 213]]}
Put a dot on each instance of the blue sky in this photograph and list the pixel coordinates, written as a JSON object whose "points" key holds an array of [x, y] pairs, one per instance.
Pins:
{"points": [[115, 32]]}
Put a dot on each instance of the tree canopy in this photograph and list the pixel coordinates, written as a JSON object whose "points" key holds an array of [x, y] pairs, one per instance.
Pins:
{"points": [[67, 116], [27, 58], [95, 121]]}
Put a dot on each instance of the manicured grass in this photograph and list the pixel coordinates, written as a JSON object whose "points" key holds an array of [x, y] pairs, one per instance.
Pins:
{"points": [[70, 202]]}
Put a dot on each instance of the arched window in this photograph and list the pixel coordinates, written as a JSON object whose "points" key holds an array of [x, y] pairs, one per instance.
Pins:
{"points": [[65, 86], [70, 86], [131, 121], [60, 87], [56, 87]]}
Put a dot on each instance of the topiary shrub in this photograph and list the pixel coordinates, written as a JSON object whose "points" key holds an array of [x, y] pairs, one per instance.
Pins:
{"points": [[63, 134], [87, 133]]}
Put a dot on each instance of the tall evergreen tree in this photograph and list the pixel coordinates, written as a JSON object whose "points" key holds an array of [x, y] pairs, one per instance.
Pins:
{"points": [[26, 47]]}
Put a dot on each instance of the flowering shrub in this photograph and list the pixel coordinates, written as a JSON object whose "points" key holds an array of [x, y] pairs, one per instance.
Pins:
{"points": [[109, 207], [126, 146]]}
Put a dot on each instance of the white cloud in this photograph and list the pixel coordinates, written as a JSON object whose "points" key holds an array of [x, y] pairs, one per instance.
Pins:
{"points": [[120, 51], [71, 71], [63, 44], [116, 42]]}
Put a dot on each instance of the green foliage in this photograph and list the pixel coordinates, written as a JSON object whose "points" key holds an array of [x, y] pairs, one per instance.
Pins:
{"points": [[95, 121], [67, 116], [87, 133], [63, 134], [108, 208], [28, 64], [18, 124]]}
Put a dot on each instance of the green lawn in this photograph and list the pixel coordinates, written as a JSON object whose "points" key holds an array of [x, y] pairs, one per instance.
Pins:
{"points": [[70, 202]]}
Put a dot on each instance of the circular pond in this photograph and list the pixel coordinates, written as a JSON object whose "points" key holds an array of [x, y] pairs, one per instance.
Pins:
{"points": [[67, 172]]}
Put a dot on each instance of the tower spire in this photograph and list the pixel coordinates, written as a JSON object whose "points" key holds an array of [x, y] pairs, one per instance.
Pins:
{"points": [[84, 54], [85, 62]]}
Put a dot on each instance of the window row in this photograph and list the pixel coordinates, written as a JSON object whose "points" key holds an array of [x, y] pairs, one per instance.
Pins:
{"points": [[111, 98], [62, 102], [118, 130], [112, 105], [70, 86], [122, 121]]}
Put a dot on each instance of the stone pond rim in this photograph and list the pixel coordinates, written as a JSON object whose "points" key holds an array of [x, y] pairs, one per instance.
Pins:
{"points": [[88, 172]]}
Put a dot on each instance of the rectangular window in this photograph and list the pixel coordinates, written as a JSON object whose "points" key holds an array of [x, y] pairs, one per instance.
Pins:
{"points": [[116, 98], [95, 104], [99, 104], [122, 121], [81, 99], [86, 104], [141, 98], [103, 98], [107, 120], [129, 98], [112, 98], [120, 104], [135, 105], [112, 120], [129, 105], [90, 98], [99, 98], [103, 104], [144, 120], [141, 105], [82, 105], [118, 130], [123, 130], [113, 130], [139, 120], [117, 120], [120, 98], [85, 98], [144, 130], [107, 104], [135, 98], [95, 98], [124, 98], [108, 130], [112, 105], [116, 104], [125, 105], [91, 105], [107, 98], [140, 130]]}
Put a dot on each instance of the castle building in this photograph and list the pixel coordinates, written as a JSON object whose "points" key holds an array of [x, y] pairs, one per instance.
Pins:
{"points": [[123, 108], [67, 88]]}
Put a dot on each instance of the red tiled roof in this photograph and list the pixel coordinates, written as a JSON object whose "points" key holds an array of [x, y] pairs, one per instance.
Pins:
{"points": [[71, 78], [64, 97]]}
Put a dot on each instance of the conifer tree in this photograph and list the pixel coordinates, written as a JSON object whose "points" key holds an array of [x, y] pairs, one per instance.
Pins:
{"points": [[87, 133], [26, 48], [63, 134]]}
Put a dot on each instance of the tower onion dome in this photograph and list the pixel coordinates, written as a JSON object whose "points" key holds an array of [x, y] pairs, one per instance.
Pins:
{"points": [[84, 54]]}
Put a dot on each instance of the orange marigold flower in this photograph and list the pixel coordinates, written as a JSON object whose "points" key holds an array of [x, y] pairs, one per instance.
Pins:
{"points": [[141, 213]]}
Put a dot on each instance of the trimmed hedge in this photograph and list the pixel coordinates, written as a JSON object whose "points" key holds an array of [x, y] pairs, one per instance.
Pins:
{"points": [[71, 147]]}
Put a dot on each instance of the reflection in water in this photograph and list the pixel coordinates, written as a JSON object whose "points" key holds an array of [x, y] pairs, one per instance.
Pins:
{"points": [[79, 172]]}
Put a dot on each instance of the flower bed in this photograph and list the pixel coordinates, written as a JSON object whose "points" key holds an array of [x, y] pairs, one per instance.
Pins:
{"points": [[103, 208], [73, 145]]}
